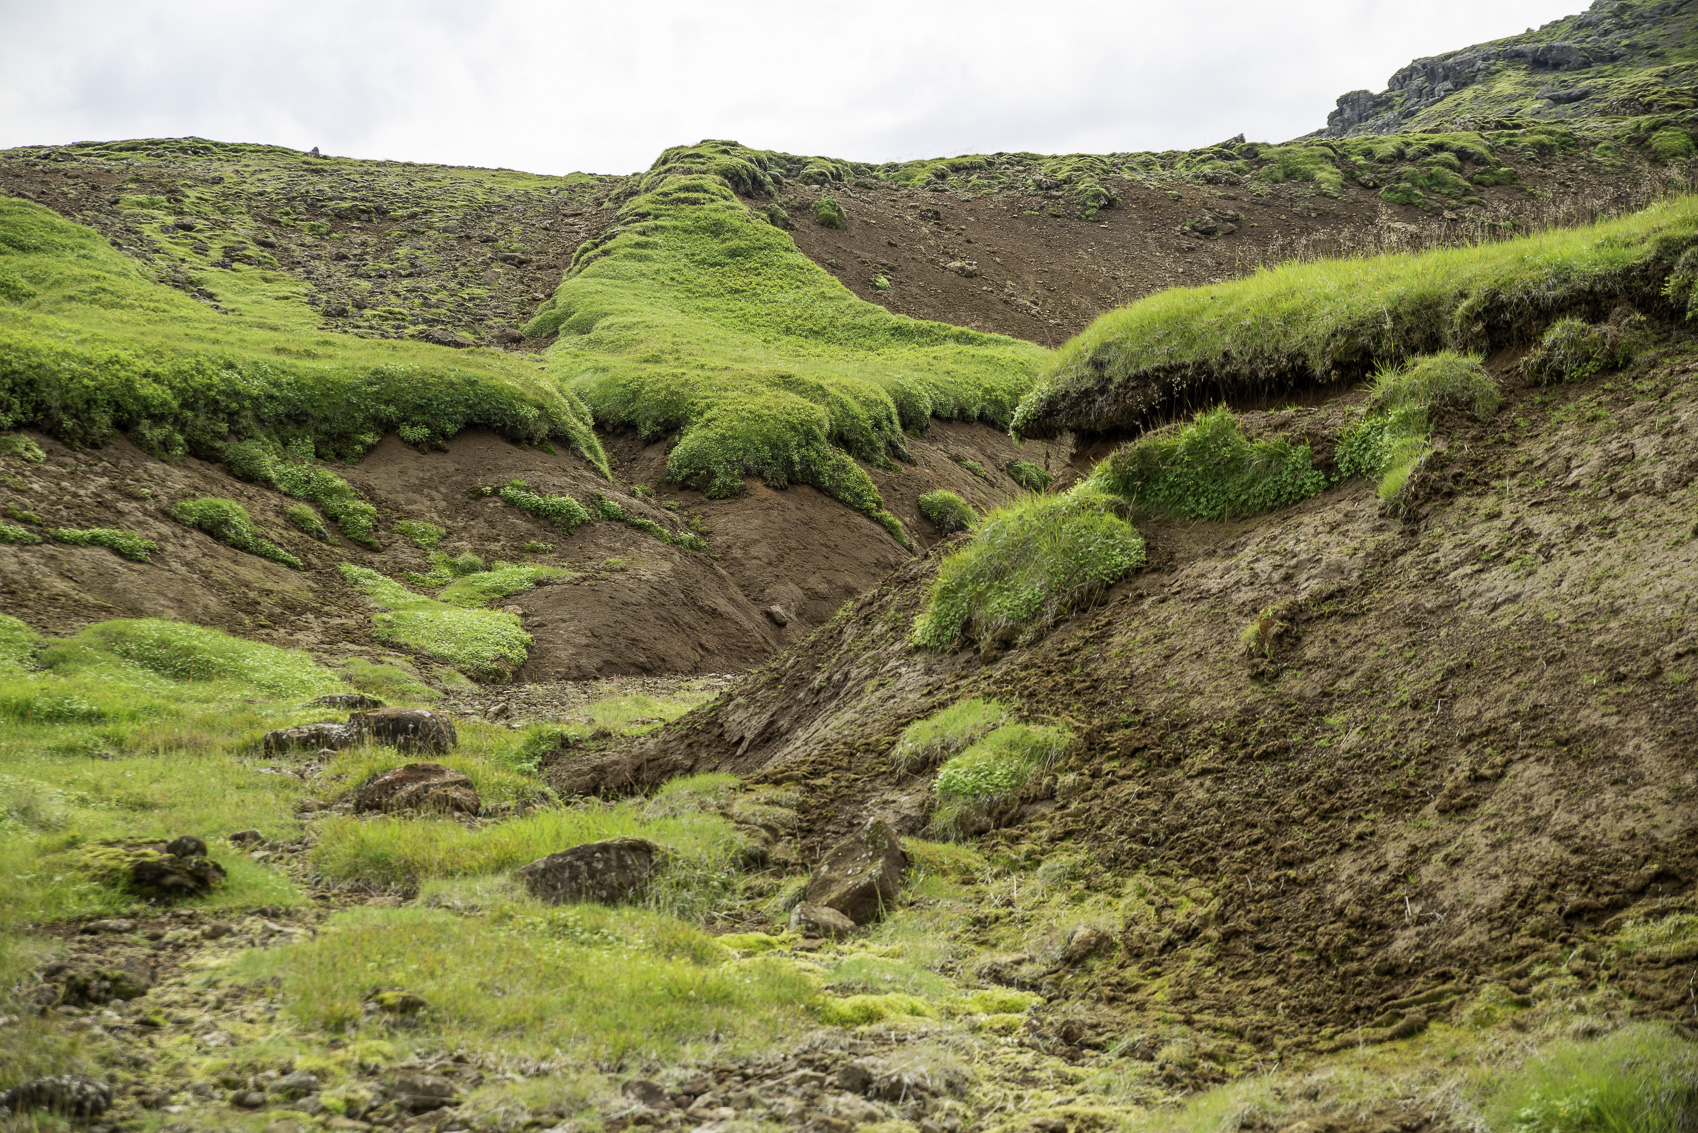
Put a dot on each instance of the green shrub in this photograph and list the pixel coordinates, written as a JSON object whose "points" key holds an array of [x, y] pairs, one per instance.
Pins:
{"points": [[990, 770], [305, 519], [1029, 476], [124, 544], [19, 447], [1573, 350], [21, 536], [1392, 437], [563, 512], [288, 469], [486, 642], [829, 213], [946, 732], [1029, 565], [1670, 143], [424, 536], [1208, 470], [947, 511], [227, 521]]}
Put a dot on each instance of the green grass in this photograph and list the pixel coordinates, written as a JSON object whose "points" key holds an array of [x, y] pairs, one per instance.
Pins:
{"points": [[501, 579], [290, 470], [124, 544], [947, 511], [1640, 1079], [305, 519], [228, 522], [1029, 476], [21, 536], [697, 317], [488, 643], [945, 732], [1394, 433], [1207, 469], [1330, 320], [1000, 763], [563, 512], [1030, 564], [424, 536], [92, 347]]}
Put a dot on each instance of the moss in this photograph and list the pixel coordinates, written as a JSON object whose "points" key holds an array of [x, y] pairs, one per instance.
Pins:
{"points": [[863, 1010], [1670, 143], [946, 732], [947, 511], [19, 447], [124, 544], [228, 522], [1029, 565], [486, 642], [776, 217], [828, 213], [1208, 470], [1028, 475], [992, 769], [290, 470]]}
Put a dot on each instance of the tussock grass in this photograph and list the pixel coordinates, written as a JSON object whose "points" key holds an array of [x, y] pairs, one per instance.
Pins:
{"points": [[1333, 320], [1208, 469], [990, 770], [947, 511], [1029, 565], [487, 642], [92, 347], [698, 317], [940, 735], [1029, 476], [1640, 1079], [1395, 432]]}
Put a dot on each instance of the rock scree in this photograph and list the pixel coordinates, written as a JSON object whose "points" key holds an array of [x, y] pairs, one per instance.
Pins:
{"points": [[608, 872]]}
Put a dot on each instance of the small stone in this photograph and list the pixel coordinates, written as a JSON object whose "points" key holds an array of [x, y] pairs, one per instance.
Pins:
{"points": [[319, 737], [186, 846], [422, 1093], [398, 1002], [296, 1084], [608, 872], [247, 1099], [777, 616], [644, 1092], [349, 700], [243, 837], [115, 925], [819, 920]]}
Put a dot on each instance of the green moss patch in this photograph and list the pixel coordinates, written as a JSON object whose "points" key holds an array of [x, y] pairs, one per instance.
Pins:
{"points": [[487, 642]]}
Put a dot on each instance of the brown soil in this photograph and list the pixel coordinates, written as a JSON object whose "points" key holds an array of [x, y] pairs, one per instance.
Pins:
{"points": [[632, 605], [1470, 754]]}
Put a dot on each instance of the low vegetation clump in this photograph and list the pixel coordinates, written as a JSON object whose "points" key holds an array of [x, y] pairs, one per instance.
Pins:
{"points": [[1208, 469], [973, 782], [19, 447], [1573, 350], [228, 522], [947, 511], [124, 544], [828, 213], [1640, 1078], [698, 318], [487, 643], [94, 348], [1029, 565], [20, 536], [1327, 321], [307, 521], [424, 536], [926, 742], [606, 508], [290, 470], [1394, 433], [1029, 476], [1670, 143], [563, 512], [479, 588]]}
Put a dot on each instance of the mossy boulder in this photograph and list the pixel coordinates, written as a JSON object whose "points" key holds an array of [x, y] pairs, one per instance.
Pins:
{"points": [[419, 786], [167, 871], [860, 875], [610, 872]]}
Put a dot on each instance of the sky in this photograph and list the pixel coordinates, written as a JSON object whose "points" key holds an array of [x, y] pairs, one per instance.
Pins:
{"points": [[604, 87]]}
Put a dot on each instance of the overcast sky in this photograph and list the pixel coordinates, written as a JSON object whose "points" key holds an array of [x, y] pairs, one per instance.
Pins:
{"points": [[605, 86]]}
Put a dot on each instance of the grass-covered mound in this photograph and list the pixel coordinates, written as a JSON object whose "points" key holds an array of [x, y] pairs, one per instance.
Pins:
{"points": [[699, 317], [91, 347], [1333, 321], [1395, 432]]}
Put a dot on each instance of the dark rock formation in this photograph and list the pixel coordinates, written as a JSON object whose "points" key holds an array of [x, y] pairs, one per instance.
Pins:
{"points": [[607, 872]]}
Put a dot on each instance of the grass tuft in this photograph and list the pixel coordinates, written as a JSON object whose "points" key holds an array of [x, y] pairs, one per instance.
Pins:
{"points": [[1393, 436], [124, 544], [228, 522], [947, 511], [944, 733], [489, 643]]}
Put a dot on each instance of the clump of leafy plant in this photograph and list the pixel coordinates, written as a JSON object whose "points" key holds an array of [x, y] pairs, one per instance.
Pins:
{"points": [[1393, 435], [828, 213], [124, 544], [1573, 350], [20, 447], [971, 784], [19, 536], [305, 519], [489, 643], [424, 536], [946, 732], [1208, 469], [1029, 476], [1029, 565], [947, 511], [563, 512], [228, 522], [290, 470]]}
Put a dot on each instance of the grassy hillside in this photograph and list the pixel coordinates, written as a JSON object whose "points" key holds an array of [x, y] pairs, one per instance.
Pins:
{"points": [[697, 314], [91, 347], [1330, 322]]}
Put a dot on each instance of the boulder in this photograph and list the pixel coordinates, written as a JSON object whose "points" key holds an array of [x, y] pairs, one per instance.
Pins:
{"points": [[422, 1093], [859, 876], [71, 1095], [606, 872], [409, 729], [314, 736], [419, 786], [819, 920]]}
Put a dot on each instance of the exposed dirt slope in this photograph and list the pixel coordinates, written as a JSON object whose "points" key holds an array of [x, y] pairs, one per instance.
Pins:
{"points": [[1472, 747], [632, 604]]}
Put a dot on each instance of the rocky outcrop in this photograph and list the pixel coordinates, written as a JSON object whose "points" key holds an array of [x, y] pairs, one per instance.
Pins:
{"points": [[860, 875], [609, 873], [419, 786]]}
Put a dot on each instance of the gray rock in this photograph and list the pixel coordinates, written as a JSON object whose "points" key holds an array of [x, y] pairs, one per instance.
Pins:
{"points": [[860, 875], [819, 920], [644, 1092], [332, 737], [71, 1095], [607, 872], [296, 1085], [349, 700], [422, 1093]]}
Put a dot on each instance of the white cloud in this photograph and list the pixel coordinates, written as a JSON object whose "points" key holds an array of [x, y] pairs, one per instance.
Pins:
{"points": [[553, 87]]}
